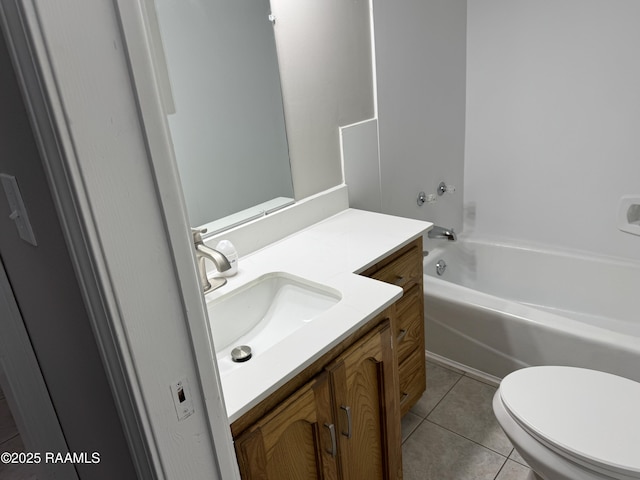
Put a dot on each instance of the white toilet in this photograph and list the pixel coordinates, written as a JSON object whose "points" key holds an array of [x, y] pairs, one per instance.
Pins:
{"points": [[572, 423]]}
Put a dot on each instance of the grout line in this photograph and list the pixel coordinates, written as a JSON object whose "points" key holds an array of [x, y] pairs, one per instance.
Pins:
{"points": [[414, 429], [471, 440], [459, 434], [443, 397], [422, 419], [426, 419], [523, 462], [433, 408], [506, 458], [501, 468]]}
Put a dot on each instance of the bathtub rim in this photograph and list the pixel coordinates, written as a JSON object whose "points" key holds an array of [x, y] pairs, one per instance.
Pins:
{"points": [[548, 321], [524, 245], [494, 301]]}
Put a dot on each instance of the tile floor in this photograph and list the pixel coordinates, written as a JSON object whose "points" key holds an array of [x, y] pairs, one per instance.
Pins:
{"points": [[452, 434]]}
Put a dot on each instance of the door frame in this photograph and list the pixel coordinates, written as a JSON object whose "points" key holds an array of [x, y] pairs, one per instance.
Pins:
{"points": [[202, 445]]}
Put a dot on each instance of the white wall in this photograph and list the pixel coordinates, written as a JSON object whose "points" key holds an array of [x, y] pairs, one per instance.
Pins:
{"points": [[553, 121], [361, 163], [325, 66], [420, 61]]}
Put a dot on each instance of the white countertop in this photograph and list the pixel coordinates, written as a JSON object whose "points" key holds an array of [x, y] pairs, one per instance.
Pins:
{"points": [[331, 253]]}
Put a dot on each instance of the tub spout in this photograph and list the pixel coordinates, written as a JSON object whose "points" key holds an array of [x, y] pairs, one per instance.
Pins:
{"points": [[442, 233]]}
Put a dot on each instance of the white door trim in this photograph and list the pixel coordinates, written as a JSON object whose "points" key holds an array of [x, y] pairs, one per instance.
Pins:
{"points": [[51, 59], [152, 104], [27, 49]]}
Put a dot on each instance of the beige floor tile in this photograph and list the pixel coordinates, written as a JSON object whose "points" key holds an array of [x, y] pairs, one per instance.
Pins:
{"points": [[467, 410], [515, 471], [409, 423], [433, 453], [439, 382]]}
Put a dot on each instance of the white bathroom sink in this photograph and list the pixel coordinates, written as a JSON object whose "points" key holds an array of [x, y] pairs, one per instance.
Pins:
{"points": [[263, 312]]}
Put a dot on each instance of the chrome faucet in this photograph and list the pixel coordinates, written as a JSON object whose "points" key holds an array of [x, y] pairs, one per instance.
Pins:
{"points": [[443, 233], [202, 254]]}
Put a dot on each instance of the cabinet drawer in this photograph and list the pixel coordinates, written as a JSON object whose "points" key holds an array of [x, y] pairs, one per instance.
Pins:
{"points": [[413, 380], [409, 326], [405, 271]]}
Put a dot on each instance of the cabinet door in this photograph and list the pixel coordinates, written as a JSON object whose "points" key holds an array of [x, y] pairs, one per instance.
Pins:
{"points": [[365, 385], [296, 441]]}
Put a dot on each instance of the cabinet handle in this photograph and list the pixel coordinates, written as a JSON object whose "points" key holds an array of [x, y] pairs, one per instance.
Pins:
{"points": [[347, 410], [399, 279], [401, 335], [332, 432], [404, 398]]}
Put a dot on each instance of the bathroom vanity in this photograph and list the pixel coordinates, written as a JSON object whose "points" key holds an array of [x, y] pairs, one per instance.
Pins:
{"points": [[404, 268], [328, 398], [344, 422]]}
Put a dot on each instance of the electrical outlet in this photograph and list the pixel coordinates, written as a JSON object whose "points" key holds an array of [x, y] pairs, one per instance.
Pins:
{"points": [[182, 400]]}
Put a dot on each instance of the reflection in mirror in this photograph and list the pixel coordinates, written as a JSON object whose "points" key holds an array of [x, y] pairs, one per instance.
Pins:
{"points": [[228, 126]]}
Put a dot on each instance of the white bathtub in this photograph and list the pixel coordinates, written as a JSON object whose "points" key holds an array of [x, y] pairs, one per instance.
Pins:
{"points": [[501, 307]]}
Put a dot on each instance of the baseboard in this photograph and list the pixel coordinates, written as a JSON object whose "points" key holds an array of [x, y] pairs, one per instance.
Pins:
{"points": [[464, 369]]}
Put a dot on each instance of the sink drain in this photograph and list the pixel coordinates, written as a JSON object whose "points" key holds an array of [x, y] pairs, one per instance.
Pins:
{"points": [[241, 354]]}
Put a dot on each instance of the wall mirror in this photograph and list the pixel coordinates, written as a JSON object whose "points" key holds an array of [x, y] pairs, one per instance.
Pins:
{"points": [[225, 112]]}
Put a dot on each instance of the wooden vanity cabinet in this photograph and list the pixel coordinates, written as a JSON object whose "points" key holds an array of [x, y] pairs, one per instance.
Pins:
{"points": [[294, 441], [343, 424], [364, 381], [404, 268]]}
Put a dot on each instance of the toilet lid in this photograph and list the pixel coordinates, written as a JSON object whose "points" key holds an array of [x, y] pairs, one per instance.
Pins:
{"points": [[592, 417]]}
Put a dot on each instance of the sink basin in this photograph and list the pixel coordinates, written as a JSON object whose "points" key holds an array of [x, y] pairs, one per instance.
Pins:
{"points": [[264, 311]]}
